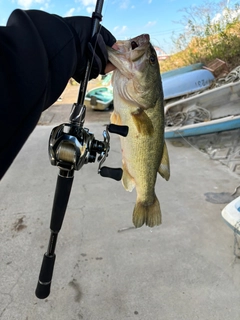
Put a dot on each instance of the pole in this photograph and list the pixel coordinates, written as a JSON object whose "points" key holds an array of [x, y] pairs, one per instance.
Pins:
{"points": [[66, 158]]}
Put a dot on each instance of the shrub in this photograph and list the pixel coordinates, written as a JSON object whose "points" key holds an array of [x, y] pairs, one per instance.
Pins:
{"points": [[208, 35]]}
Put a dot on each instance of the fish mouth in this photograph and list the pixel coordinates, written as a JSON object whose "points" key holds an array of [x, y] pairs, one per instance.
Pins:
{"points": [[134, 45], [126, 55], [115, 47], [139, 42]]}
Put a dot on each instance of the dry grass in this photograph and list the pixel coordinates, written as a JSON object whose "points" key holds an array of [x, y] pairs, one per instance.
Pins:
{"points": [[224, 46]]}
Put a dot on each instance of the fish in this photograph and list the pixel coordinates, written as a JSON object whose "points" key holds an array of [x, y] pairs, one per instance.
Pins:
{"points": [[139, 104]]}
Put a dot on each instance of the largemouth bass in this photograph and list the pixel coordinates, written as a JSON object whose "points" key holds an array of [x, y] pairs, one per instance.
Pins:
{"points": [[138, 103]]}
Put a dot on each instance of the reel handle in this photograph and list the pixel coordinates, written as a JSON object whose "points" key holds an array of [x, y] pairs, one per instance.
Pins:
{"points": [[121, 130], [113, 173]]}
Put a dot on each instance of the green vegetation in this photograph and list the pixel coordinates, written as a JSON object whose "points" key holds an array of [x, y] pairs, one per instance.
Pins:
{"points": [[212, 31]]}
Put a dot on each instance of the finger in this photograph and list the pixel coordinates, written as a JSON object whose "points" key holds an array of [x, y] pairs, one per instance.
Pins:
{"points": [[109, 67], [108, 38]]}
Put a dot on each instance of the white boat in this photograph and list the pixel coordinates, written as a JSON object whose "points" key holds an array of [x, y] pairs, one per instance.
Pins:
{"points": [[231, 215], [186, 83], [175, 72], [214, 110]]}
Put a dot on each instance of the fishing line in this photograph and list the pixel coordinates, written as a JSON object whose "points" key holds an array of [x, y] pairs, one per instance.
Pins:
{"points": [[98, 32], [235, 191], [191, 145], [236, 241], [105, 8]]}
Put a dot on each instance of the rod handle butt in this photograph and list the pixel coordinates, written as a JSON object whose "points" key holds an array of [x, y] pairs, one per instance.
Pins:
{"points": [[45, 277]]}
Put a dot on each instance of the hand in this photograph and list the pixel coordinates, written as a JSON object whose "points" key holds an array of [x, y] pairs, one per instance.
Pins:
{"points": [[97, 54], [93, 49]]}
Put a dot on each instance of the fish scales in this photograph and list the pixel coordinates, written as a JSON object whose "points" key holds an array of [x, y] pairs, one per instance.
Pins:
{"points": [[138, 103]]}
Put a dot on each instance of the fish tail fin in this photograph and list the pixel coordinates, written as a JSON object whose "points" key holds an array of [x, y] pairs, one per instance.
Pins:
{"points": [[148, 214]]}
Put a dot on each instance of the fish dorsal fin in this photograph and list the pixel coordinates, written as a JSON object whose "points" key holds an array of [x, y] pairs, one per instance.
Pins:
{"points": [[164, 168], [142, 122]]}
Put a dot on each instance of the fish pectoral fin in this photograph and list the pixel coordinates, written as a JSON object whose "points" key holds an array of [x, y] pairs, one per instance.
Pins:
{"points": [[148, 214], [142, 122], [115, 118], [127, 180], [164, 168]]}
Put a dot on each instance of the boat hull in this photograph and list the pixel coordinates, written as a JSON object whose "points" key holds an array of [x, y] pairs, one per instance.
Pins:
{"points": [[182, 70], [99, 98], [231, 215], [223, 124], [223, 105], [186, 83]]}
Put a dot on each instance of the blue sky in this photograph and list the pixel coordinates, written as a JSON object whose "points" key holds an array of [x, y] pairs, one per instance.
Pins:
{"points": [[124, 18]]}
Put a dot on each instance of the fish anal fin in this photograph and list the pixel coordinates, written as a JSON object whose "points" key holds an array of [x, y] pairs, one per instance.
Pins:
{"points": [[164, 168], [127, 180], [143, 123], [148, 214]]}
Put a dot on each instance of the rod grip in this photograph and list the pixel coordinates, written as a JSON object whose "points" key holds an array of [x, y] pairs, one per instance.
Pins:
{"points": [[45, 277], [61, 197]]}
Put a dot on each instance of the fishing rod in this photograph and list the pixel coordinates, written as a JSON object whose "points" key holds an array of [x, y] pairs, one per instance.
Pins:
{"points": [[70, 147]]}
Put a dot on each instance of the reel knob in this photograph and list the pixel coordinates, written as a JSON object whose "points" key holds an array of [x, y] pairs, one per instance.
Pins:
{"points": [[113, 173], [121, 130]]}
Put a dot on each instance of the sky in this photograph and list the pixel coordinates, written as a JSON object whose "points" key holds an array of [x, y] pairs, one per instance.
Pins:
{"points": [[124, 18]]}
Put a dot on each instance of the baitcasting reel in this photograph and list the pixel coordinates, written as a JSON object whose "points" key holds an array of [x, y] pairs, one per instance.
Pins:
{"points": [[71, 146]]}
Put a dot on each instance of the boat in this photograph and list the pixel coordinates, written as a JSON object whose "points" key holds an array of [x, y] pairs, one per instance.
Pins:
{"points": [[186, 83], [106, 79], [213, 110], [182, 70], [231, 215], [100, 98]]}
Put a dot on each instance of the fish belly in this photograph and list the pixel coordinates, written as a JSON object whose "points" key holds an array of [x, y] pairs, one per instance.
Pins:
{"points": [[141, 157]]}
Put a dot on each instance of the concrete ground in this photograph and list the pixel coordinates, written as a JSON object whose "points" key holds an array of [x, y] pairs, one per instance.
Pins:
{"points": [[186, 269]]}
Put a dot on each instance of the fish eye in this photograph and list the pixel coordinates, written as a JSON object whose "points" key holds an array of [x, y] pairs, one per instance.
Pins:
{"points": [[134, 45], [152, 59]]}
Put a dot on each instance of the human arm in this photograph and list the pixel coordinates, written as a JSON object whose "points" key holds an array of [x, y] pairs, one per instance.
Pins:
{"points": [[39, 54]]}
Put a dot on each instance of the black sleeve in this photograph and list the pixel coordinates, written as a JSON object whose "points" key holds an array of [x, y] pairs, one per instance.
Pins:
{"points": [[37, 58]]}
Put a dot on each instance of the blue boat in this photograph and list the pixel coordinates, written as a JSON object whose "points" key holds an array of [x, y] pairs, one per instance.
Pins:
{"points": [[100, 98], [212, 111], [186, 83], [223, 124], [182, 70]]}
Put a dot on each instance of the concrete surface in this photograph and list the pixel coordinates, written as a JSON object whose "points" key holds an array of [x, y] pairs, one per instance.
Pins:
{"points": [[185, 269]]}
